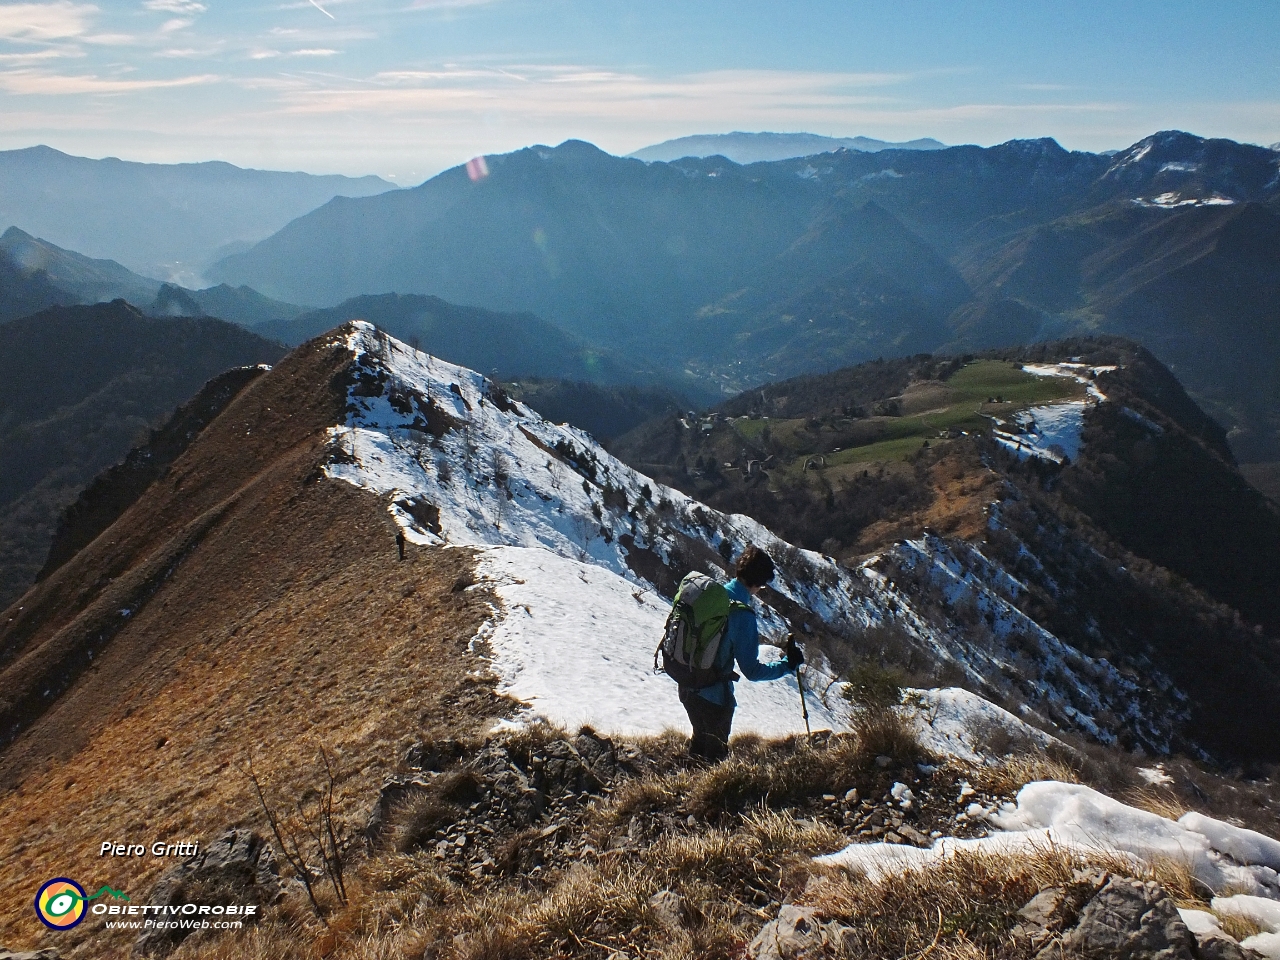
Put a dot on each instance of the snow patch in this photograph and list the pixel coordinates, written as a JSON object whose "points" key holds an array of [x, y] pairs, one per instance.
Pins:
{"points": [[575, 644], [1050, 432], [953, 722], [1155, 775], [1173, 200], [1262, 911], [1200, 922], [1051, 815]]}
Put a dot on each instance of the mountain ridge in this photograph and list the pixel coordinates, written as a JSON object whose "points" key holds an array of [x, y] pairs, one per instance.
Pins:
{"points": [[252, 601], [746, 148], [683, 245], [80, 383], [162, 220]]}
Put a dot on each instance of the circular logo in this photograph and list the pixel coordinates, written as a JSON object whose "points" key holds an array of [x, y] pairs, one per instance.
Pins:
{"points": [[60, 904]]}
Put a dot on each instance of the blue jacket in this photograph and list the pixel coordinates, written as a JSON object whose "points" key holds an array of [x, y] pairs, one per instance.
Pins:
{"points": [[741, 644]]}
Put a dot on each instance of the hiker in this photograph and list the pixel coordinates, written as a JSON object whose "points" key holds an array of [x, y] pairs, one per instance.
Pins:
{"points": [[710, 709], [400, 542]]}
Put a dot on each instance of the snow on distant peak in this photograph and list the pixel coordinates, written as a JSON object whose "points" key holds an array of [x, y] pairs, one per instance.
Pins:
{"points": [[1173, 200], [1052, 431], [1083, 372]]}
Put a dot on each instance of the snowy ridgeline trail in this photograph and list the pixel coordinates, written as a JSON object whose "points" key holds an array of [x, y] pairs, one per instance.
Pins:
{"points": [[556, 519], [1048, 814], [577, 644], [460, 464]]}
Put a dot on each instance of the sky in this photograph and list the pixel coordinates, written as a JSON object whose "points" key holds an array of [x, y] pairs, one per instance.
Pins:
{"points": [[406, 88]]}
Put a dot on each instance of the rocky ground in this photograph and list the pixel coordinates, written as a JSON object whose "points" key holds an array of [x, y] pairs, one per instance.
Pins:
{"points": [[537, 842]]}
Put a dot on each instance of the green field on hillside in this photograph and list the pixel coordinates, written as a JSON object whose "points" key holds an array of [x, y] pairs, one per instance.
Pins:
{"points": [[962, 406], [996, 378]]}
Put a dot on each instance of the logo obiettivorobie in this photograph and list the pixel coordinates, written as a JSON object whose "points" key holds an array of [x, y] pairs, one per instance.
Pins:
{"points": [[60, 904]]}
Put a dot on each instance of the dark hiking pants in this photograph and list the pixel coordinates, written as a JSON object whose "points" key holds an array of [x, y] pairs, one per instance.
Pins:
{"points": [[711, 724]]}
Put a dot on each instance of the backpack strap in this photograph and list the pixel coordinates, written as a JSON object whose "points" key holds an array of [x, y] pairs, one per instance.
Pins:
{"points": [[657, 651]]}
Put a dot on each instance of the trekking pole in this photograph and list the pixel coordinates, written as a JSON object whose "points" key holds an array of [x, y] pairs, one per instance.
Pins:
{"points": [[804, 705]]}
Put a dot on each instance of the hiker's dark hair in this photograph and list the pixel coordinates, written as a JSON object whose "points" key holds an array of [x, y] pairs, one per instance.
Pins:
{"points": [[754, 567]]}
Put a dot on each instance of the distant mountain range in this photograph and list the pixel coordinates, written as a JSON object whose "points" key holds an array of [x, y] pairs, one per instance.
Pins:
{"points": [[38, 274], [505, 344], [733, 275], [166, 221], [757, 147]]}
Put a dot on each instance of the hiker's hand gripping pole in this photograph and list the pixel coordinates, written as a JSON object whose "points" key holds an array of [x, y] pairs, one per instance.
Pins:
{"points": [[796, 659]]}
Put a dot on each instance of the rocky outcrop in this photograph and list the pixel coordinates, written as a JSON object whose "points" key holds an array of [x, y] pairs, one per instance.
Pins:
{"points": [[238, 869], [1118, 918], [1126, 919], [799, 933]]}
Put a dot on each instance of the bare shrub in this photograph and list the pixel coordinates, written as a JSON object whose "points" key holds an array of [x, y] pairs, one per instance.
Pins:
{"points": [[1012, 773], [438, 806], [886, 731]]}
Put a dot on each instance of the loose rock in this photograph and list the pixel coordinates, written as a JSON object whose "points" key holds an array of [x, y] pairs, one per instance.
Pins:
{"points": [[238, 868]]}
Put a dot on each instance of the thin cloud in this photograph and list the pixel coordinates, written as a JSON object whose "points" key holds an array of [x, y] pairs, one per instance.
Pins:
{"points": [[447, 4], [319, 52], [37, 83], [45, 21], [323, 35], [112, 39], [591, 93], [186, 8], [49, 53], [191, 53]]}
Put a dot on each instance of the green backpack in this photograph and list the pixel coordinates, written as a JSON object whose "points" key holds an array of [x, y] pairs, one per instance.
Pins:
{"points": [[695, 628]]}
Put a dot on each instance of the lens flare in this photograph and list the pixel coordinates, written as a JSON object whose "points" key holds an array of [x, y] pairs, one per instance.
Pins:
{"points": [[477, 169]]}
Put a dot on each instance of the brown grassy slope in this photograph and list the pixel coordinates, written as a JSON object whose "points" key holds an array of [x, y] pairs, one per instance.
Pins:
{"points": [[287, 623]]}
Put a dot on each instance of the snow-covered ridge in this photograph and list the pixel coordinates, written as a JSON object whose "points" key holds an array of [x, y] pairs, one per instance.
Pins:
{"points": [[564, 527], [583, 552]]}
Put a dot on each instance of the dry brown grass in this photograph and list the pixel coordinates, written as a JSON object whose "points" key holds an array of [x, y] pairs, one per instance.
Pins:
{"points": [[726, 879], [1239, 927], [363, 669], [967, 905], [1160, 801], [722, 876], [1012, 773]]}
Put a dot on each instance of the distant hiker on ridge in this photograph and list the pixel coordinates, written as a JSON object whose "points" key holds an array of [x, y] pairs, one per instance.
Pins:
{"points": [[711, 627], [400, 542]]}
